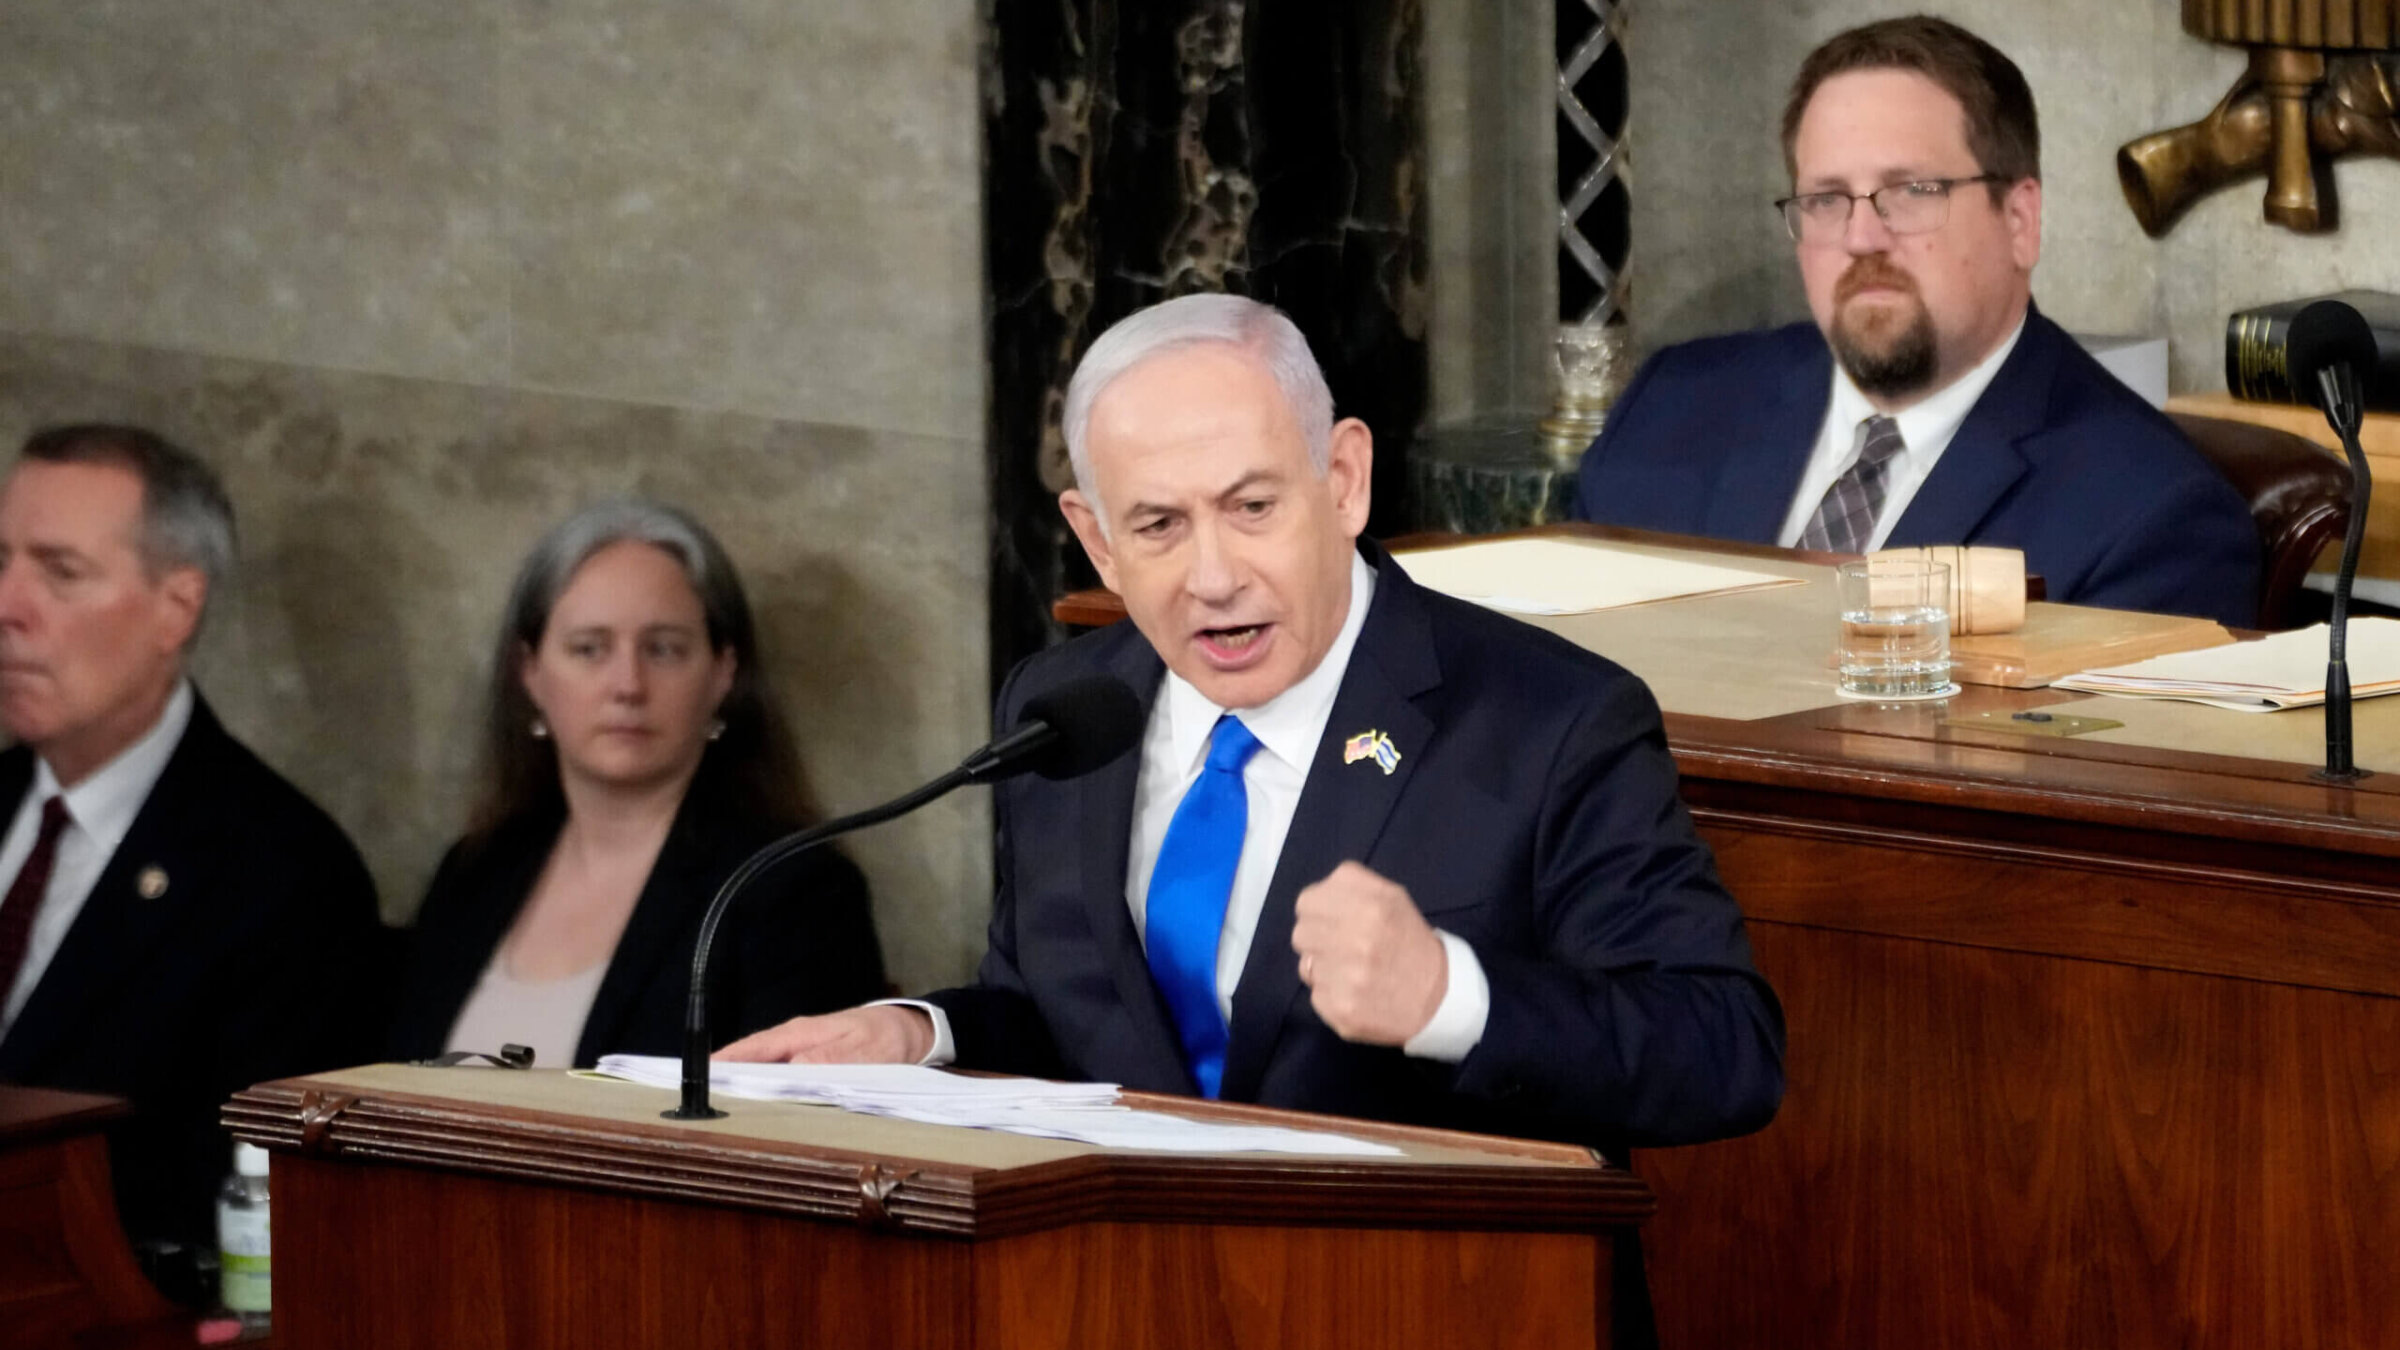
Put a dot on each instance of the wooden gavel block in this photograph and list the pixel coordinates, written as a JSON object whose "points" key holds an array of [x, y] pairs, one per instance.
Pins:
{"points": [[1987, 585]]}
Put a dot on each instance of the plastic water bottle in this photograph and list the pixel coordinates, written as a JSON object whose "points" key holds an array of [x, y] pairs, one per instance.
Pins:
{"points": [[242, 1237]]}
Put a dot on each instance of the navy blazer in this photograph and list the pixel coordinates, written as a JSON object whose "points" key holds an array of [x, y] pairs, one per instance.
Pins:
{"points": [[1533, 812], [257, 958], [2112, 506], [802, 940]]}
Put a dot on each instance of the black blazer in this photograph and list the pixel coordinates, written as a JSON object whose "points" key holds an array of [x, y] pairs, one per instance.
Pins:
{"points": [[2111, 505], [257, 961], [1532, 812], [801, 941]]}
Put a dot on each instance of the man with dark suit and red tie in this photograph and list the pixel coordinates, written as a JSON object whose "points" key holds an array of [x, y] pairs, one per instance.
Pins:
{"points": [[1379, 853], [1929, 402], [179, 922]]}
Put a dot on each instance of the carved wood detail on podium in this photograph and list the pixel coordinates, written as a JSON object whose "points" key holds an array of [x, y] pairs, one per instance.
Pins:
{"points": [[932, 1198]]}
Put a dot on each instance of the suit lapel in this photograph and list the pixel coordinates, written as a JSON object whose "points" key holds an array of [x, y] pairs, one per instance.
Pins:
{"points": [[1767, 447], [671, 901], [1982, 461], [1105, 816], [118, 926], [1342, 809]]}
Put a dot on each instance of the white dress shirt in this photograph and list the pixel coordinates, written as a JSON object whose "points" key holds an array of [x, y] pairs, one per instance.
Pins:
{"points": [[100, 809], [1926, 429], [1289, 727]]}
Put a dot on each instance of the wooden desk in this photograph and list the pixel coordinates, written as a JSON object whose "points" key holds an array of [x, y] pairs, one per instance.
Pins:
{"points": [[67, 1278], [2094, 1042], [465, 1208]]}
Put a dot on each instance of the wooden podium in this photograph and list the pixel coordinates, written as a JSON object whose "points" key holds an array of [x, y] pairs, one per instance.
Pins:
{"points": [[529, 1209], [67, 1279]]}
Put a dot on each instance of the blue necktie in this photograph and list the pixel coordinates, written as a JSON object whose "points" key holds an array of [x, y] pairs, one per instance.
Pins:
{"points": [[1189, 885]]}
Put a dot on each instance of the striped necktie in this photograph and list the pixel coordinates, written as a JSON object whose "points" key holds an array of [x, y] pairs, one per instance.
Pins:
{"points": [[1845, 520]]}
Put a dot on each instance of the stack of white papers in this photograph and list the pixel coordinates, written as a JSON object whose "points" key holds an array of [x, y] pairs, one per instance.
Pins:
{"points": [[2285, 670], [1559, 576], [1084, 1112]]}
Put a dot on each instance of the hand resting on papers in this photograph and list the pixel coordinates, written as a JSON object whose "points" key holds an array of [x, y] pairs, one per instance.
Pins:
{"points": [[881, 1033]]}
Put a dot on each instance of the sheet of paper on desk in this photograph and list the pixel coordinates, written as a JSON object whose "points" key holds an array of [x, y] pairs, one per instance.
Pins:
{"points": [[1085, 1112], [1560, 576], [2283, 670], [1155, 1131]]}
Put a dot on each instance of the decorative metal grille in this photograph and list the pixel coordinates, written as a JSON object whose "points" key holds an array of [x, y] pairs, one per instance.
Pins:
{"points": [[1594, 206]]}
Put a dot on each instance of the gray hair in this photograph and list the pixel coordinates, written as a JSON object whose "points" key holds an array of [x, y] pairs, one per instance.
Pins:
{"points": [[1262, 331], [754, 761], [572, 542], [187, 520]]}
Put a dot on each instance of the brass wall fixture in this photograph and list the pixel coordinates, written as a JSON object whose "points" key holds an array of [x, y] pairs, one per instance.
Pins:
{"points": [[2323, 82]]}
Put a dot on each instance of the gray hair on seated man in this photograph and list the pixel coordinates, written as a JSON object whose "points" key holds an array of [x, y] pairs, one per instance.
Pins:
{"points": [[1262, 330], [187, 520]]}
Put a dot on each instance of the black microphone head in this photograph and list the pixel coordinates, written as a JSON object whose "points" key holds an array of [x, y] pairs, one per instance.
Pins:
{"points": [[2324, 334], [1096, 718]]}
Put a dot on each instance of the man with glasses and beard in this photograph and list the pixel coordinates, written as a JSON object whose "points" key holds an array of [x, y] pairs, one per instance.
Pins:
{"points": [[1930, 402]]}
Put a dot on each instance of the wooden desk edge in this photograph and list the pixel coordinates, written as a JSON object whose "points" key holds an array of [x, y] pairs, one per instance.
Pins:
{"points": [[1541, 1186]]}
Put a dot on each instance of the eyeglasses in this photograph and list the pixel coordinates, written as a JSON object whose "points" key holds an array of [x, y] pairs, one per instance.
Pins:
{"points": [[1905, 208]]}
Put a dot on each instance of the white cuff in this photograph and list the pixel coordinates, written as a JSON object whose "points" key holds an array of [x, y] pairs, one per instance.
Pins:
{"points": [[945, 1049], [1457, 1025]]}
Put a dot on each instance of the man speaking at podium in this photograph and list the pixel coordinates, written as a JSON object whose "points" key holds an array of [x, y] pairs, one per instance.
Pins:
{"points": [[1380, 853]]}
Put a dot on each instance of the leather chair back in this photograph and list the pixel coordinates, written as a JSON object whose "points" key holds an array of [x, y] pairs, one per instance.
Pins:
{"points": [[2299, 495]]}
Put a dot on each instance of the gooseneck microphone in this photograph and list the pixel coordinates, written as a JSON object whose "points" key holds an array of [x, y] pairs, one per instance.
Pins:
{"points": [[2329, 345], [1065, 732]]}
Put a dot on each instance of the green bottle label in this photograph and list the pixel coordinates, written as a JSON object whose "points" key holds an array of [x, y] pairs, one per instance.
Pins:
{"points": [[242, 1239]]}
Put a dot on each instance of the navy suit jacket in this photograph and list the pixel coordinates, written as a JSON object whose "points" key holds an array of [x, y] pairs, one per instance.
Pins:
{"points": [[2112, 506], [1533, 813], [260, 958]]}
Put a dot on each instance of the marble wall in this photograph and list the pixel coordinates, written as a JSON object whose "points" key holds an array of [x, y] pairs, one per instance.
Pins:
{"points": [[421, 278], [1138, 150], [1709, 78]]}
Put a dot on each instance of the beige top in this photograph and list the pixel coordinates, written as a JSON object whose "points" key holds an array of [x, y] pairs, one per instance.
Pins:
{"points": [[545, 1014]]}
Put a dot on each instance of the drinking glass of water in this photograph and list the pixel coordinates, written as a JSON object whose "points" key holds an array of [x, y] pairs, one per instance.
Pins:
{"points": [[1895, 641]]}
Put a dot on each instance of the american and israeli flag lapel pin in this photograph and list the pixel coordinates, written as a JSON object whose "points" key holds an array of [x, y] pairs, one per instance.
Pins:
{"points": [[1374, 745]]}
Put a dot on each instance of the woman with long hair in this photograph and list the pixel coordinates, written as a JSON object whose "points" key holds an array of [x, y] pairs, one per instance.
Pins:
{"points": [[632, 759]]}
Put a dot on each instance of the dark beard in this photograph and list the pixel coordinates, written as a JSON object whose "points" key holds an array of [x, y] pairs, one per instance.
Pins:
{"points": [[1905, 364]]}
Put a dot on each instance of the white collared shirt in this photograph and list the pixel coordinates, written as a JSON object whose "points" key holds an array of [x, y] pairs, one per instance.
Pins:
{"points": [[1289, 727], [101, 809], [1926, 429]]}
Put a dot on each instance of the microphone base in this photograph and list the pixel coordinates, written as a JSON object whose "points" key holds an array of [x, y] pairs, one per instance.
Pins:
{"points": [[2343, 779], [704, 1113]]}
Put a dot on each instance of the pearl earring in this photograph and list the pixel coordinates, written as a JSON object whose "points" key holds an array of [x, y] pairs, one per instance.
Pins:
{"points": [[541, 729], [716, 729]]}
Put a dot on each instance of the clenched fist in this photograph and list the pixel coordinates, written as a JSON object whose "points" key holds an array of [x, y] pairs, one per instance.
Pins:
{"points": [[1375, 970]]}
